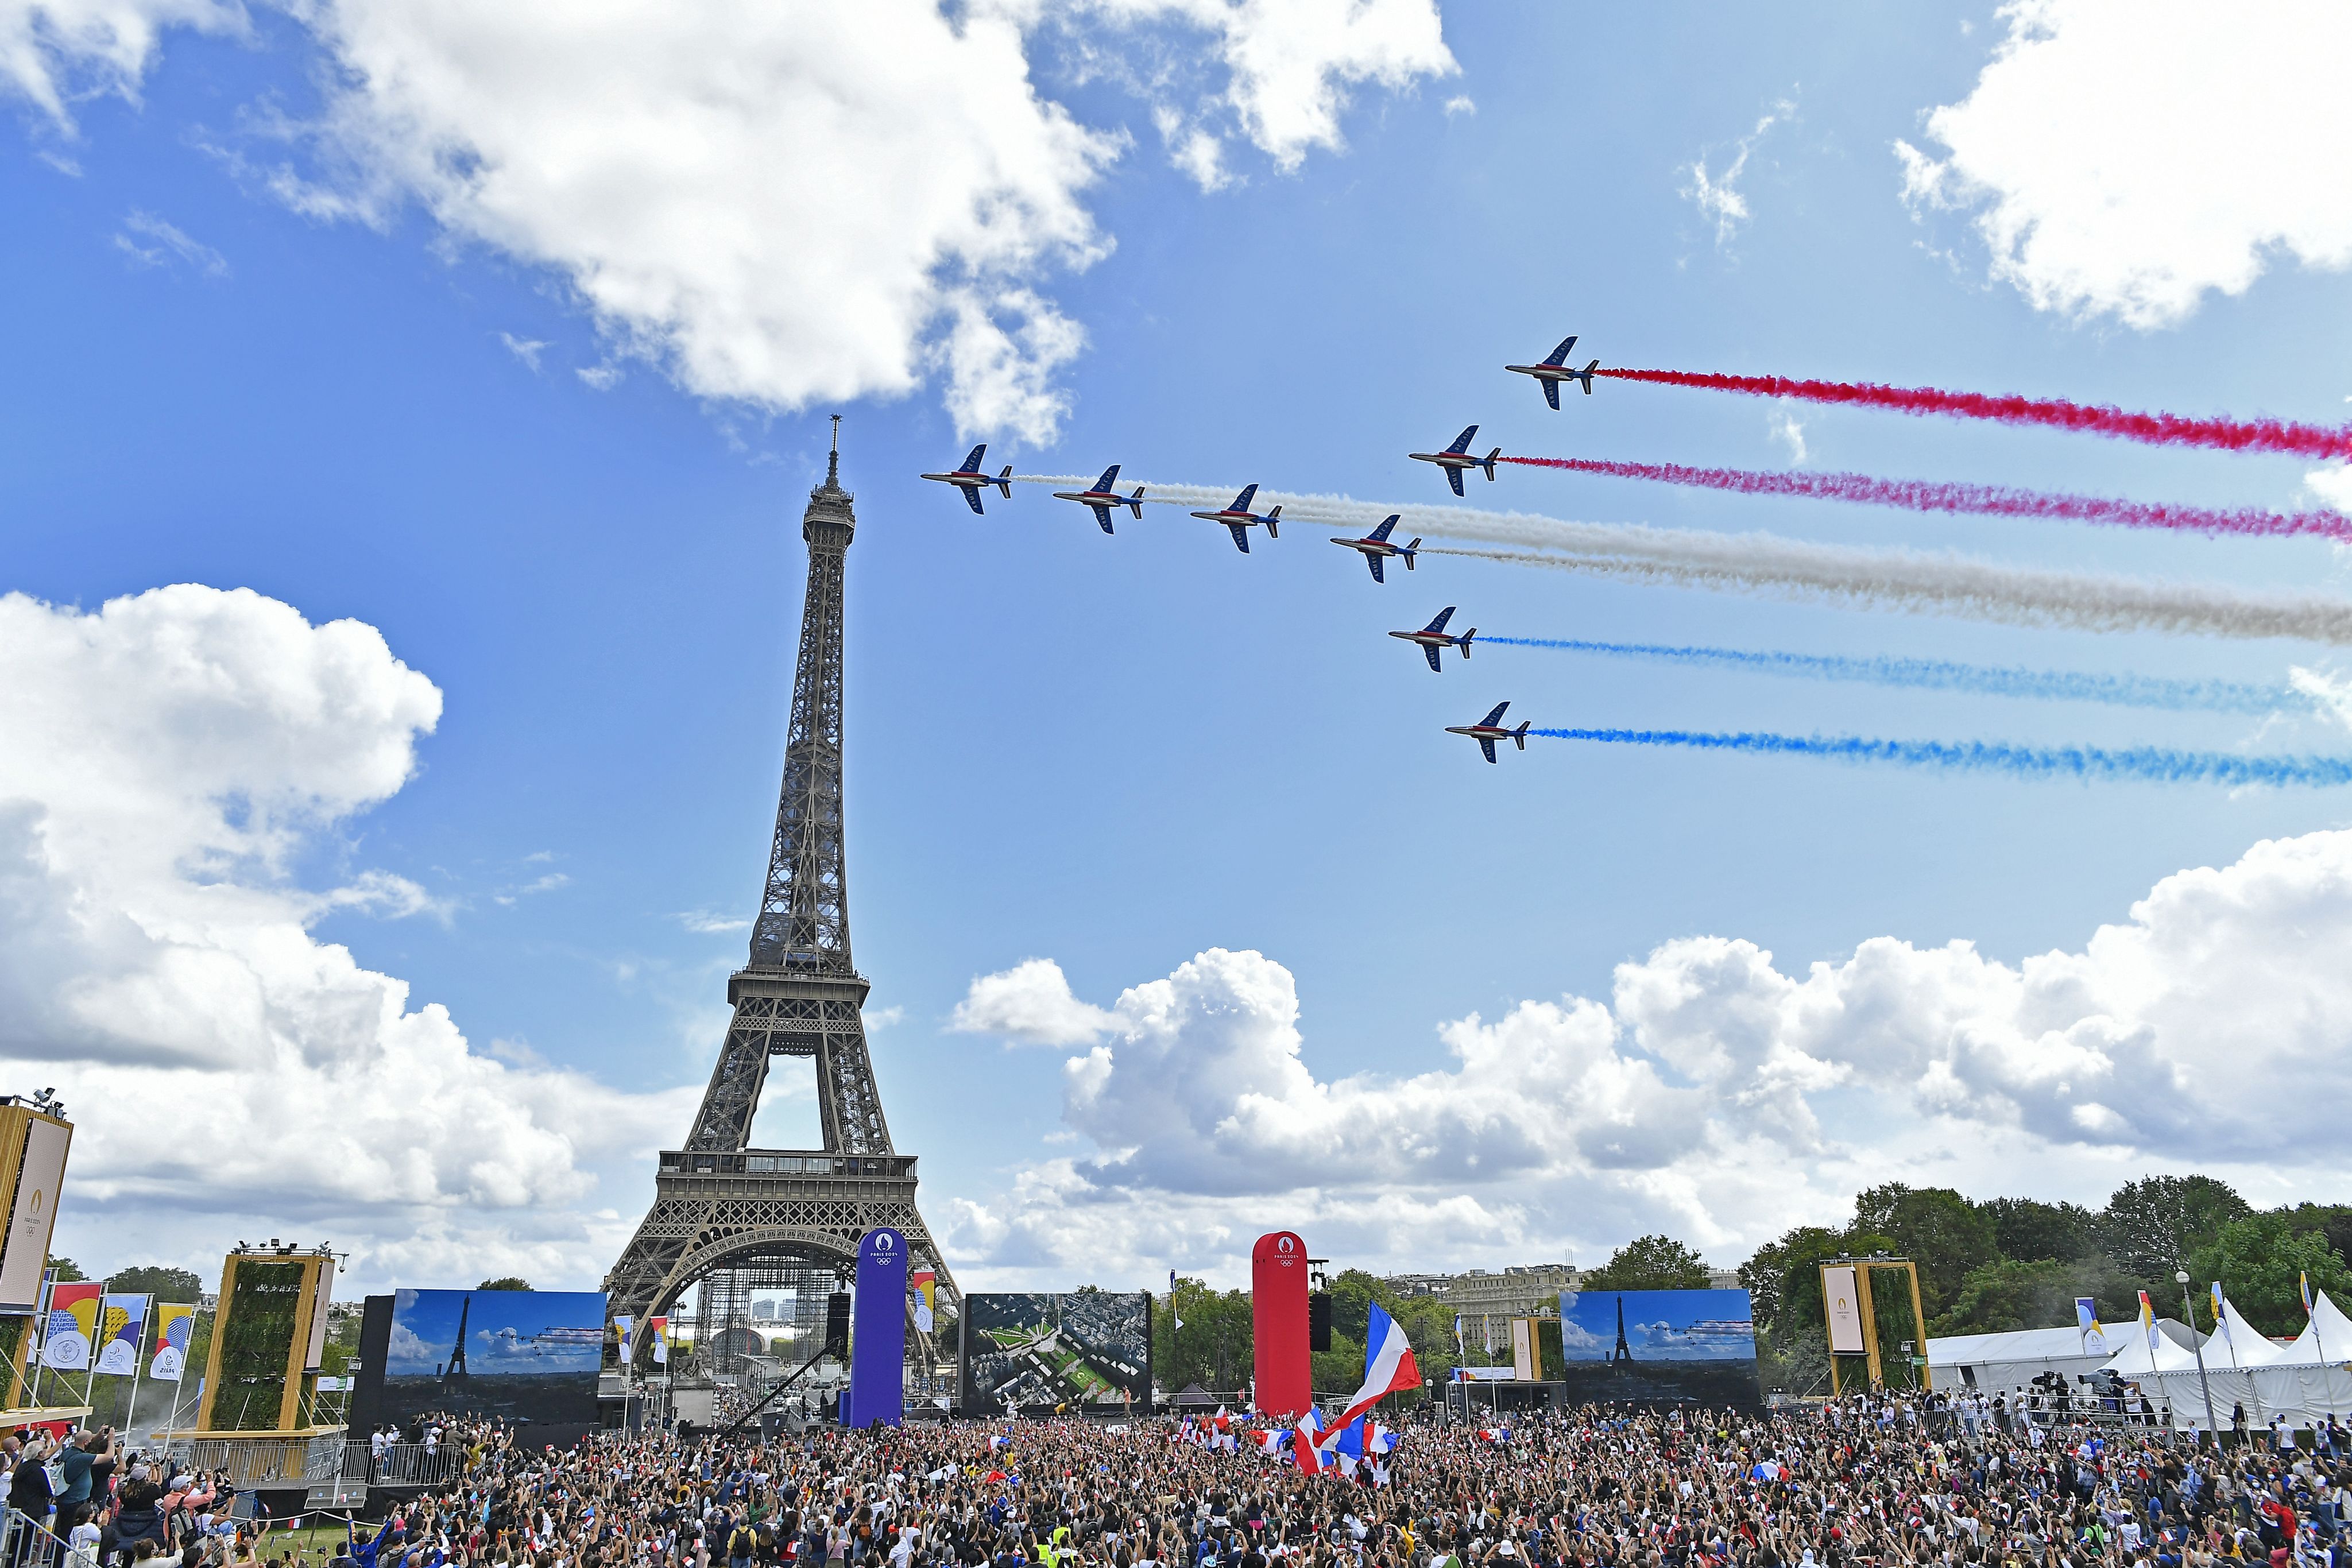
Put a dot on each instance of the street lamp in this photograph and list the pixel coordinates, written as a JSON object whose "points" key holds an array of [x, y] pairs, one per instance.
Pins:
{"points": [[2210, 1425]]}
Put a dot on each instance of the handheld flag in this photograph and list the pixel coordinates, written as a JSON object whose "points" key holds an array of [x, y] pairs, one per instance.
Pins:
{"points": [[1310, 1433], [1389, 1366]]}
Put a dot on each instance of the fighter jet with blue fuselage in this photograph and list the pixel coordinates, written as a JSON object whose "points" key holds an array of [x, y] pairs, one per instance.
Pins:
{"points": [[1433, 637], [1490, 729], [1104, 499], [1556, 369], [972, 481], [1457, 458], [1241, 519]]}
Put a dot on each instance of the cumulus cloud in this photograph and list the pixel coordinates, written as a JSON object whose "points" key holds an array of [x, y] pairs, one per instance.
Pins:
{"points": [[2210, 1025], [1030, 1003], [171, 757], [2124, 157], [776, 203]]}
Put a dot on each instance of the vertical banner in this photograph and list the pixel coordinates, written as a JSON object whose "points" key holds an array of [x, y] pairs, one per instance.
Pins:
{"points": [[174, 1327], [2147, 1319], [660, 1327], [2086, 1320], [73, 1324], [621, 1324], [122, 1331], [1527, 1362], [1285, 1374], [926, 1286], [877, 1333], [34, 1216], [1842, 1298]]}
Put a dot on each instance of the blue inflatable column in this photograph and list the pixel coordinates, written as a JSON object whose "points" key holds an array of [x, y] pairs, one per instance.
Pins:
{"points": [[878, 1357]]}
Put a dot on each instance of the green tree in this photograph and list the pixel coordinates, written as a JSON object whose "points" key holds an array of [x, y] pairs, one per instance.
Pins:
{"points": [[2259, 1260], [2024, 1229], [505, 1282], [1784, 1288], [1937, 1228], [177, 1285], [68, 1272], [2012, 1293], [2150, 1225], [1212, 1349], [1649, 1263]]}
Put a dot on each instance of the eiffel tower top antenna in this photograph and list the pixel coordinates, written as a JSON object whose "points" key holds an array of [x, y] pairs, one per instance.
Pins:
{"points": [[832, 458]]}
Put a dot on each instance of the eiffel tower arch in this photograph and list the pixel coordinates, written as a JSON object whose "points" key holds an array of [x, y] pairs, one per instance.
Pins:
{"points": [[718, 1202]]}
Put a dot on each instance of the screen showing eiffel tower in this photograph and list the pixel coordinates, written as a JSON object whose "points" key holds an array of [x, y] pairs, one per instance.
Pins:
{"points": [[1658, 1348], [523, 1355]]}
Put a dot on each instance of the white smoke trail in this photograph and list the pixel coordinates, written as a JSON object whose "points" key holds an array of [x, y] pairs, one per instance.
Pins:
{"points": [[1918, 582]]}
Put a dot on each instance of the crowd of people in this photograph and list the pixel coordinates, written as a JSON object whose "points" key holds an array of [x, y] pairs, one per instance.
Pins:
{"points": [[1861, 1482]]}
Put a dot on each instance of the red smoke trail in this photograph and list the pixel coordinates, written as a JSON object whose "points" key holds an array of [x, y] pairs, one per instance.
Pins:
{"points": [[2156, 429], [1990, 500]]}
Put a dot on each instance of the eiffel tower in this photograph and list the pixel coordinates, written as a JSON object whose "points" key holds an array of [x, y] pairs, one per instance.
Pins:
{"points": [[720, 1204]]}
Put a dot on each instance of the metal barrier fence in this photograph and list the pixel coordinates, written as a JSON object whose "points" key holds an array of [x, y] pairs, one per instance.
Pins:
{"points": [[344, 1466], [27, 1543]]}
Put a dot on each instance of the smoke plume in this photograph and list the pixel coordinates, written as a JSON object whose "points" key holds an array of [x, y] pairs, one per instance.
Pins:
{"points": [[2143, 763]]}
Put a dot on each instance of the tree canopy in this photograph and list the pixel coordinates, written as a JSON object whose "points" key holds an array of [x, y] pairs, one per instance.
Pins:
{"points": [[1648, 1264], [505, 1282]]}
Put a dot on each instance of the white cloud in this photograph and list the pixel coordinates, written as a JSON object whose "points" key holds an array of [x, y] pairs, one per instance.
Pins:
{"points": [[2332, 486], [1460, 104], [776, 203], [2212, 1028], [1789, 432], [53, 51], [2125, 156], [1030, 1003], [164, 244], [171, 757], [1717, 196], [526, 350]]}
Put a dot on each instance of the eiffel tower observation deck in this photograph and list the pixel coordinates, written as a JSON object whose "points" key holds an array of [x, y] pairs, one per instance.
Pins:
{"points": [[718, 1202]]}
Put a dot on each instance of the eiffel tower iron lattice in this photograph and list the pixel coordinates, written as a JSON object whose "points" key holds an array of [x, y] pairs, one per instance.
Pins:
{"points": [[720, 1204]]}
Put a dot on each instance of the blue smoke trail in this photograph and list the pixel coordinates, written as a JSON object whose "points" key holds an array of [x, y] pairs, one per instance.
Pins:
{"points": [[2154, 764], [1940, 675]]}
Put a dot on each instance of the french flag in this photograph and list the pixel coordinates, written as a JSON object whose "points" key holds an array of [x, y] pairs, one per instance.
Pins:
{"points": [[1389, 1366], [1311, 1432]]}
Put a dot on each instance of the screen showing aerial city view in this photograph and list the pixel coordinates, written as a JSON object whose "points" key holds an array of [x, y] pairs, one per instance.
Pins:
{"points": [[1041, 1352]]}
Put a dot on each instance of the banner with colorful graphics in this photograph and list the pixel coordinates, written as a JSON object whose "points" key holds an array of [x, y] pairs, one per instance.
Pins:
{"points": [[72, 1325], [122, 1329], [174, 1327], [660, 1327], [925, 1283]]}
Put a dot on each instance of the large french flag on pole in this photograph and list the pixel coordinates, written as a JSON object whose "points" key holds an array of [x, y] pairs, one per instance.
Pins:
{"points": [[1310, 1431], [1389, 1366]]}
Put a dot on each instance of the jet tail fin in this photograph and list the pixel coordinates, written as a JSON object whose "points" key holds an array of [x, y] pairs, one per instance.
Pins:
{"points": [[1489, 465], [1005, 481], [1467, 636], [1272, 518], [1585, 375], [1520, 733], [1136, 501], [1410, 552]]}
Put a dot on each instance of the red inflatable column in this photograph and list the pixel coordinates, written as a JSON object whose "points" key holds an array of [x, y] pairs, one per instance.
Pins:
{"points": [[1286, 1377]]}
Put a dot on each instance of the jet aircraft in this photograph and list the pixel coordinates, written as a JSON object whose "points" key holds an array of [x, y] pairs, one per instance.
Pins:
{"points": [[1239, 518], [1457, 458], [1103, 498], [1555, 369], [1375, 547], [972, 481], [1491, 728], [1432, 637]]}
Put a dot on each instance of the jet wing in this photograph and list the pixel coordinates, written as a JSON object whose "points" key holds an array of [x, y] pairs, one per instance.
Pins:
{"points": [[1374, 562], [1453, 477], [971, 493], [1102, 514], [1551, 392], [1486, 742], [1431, 649], [1241, 536]]}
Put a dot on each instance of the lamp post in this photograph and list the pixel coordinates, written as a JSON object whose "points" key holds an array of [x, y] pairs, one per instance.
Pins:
{"points": [[2210, 1424]]}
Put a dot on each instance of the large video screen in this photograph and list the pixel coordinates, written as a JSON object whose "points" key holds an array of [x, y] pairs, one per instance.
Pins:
{"points": [[524, 1355], [1091, 1349], [1656, 1348]]}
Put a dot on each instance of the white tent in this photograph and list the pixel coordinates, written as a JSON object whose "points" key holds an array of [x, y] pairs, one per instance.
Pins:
{"points": [[2303, 1381], [1996, 1363]]}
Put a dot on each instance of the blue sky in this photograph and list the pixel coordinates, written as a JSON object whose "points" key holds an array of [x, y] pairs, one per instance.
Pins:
{"points": [[498, 339]]}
